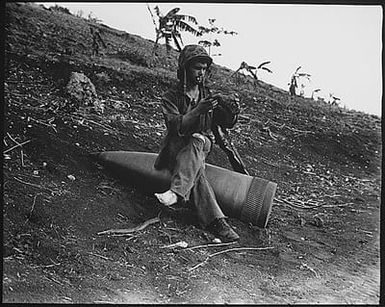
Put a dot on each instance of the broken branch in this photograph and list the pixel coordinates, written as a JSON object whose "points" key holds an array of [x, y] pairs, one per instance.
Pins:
{"points": [[18, 145], [297, 204], [33, 207], [229, 250], [130, 230], [21, 151], [268, 163], [33, 185], [209, 245], [13, 139], [269, 132], [300, 131], [43, 123], [22, 157], [305, 266], [100, 256]]}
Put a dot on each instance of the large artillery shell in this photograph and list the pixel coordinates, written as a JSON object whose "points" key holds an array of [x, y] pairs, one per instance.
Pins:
{"points": [[241, 196]]}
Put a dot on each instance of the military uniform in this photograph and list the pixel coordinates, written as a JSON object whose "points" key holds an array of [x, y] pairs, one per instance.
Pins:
{"points": [[184, 153]]}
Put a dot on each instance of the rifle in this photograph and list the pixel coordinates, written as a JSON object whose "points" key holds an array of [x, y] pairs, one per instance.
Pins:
{"points": [[222, 138]]}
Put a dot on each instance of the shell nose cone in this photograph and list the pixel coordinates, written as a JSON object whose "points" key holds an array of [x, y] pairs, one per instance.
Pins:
{"points": [[95, 155]]}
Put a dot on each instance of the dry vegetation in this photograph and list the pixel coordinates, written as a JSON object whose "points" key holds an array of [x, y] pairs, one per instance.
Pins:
{"points": [[322, 240]]}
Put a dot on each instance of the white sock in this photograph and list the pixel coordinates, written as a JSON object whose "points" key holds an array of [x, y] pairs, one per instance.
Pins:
{"points": [[199, 136], [167, 198]]}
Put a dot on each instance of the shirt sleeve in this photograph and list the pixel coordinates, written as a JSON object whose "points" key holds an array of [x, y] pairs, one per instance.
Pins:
{"points": [[173, 115]]}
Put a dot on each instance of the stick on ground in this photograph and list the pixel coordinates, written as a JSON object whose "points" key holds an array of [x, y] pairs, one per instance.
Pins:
{"points": [[229, 250], [33, 207], [130, 230], [18, 145]]}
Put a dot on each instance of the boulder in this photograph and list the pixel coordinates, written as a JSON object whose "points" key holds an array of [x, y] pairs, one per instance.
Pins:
{"points": [[80, 88], [82, 92]]}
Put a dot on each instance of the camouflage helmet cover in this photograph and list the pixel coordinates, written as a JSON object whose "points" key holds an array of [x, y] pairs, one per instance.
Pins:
{"points": [[189, 53]]}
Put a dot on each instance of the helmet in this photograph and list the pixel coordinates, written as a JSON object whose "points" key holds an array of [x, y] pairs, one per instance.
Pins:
{"points": [[189, 53]]}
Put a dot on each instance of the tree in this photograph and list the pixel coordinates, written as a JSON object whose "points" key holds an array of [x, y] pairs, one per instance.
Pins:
{"points": [[295, 81], [293, 85], [79, 13], [333, 100], [60, 9], [314, 91], [211, 30], [93, 19], [248, 68], [170, 25], [262, 66], [208, 44]]}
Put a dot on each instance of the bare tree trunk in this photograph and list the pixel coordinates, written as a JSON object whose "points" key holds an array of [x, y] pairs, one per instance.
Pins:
{"points": [[176, 42], [254, 75], [234, 72], [155, 45]]}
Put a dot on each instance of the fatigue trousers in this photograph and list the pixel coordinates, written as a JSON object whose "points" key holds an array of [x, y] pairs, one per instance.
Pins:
{"points": [[188, 180]]}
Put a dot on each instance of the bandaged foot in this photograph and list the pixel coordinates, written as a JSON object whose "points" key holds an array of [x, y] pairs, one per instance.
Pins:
{"points": [[167, 198]]}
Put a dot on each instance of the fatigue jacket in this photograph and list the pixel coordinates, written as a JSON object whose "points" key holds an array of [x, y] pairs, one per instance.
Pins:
{"points": [[174, 105]]}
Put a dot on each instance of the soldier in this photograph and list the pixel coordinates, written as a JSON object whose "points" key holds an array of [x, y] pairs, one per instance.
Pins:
{"points": [[191, 112], [293, 85], [96, 39]]}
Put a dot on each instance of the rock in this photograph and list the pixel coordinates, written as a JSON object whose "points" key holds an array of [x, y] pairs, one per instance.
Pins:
{"points": [[71, 177], [81, 89]]}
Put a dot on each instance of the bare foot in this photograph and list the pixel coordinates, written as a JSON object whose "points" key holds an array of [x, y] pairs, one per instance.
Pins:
{"points": [[167, 198]]}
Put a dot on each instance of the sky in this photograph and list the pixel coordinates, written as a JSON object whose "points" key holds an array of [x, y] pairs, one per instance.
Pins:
{"points": [[340, 46]]}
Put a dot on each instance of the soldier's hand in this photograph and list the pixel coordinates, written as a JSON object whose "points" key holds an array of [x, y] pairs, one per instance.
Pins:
{"points": [[206, 105]]}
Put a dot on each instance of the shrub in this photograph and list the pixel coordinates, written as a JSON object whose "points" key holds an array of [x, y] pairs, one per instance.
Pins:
{"points": [[60, 9]]}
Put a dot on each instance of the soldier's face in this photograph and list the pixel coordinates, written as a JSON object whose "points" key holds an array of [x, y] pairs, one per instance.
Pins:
{"points": [[196, 72]]}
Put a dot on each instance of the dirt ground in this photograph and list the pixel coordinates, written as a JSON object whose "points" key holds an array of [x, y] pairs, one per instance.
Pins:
{"points": [[322, 242]]}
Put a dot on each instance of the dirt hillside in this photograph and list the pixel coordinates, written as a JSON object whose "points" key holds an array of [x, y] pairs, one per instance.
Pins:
{"points": [[321, 244]]}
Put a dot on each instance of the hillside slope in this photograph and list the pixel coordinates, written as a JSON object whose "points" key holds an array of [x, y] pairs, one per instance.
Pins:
{"points": [[323, 230]]}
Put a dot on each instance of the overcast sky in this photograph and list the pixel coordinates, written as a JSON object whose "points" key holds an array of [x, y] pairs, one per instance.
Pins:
{"points": [[339, 45]]}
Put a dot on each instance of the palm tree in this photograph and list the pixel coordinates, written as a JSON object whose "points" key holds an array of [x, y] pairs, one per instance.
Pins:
{"points": [[170, 25], [333, 100], [208, 44], [303, 85], [314, 91], [262, 66], [245, 66], [294, 80]]}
